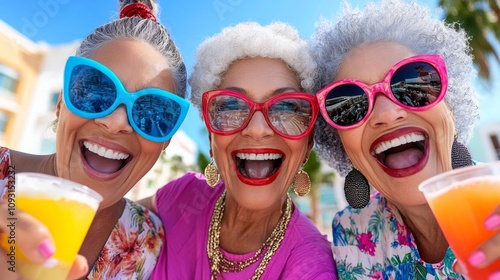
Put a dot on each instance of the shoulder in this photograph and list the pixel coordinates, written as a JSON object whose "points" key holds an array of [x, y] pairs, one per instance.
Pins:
{"points": [[352, 217], [5, 162], [378, 219], [148, 220], [185, 198], [184, 187], [7, 173]]}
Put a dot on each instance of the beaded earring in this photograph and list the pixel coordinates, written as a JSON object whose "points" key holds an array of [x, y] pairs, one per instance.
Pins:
{"points": [[356, 189]]}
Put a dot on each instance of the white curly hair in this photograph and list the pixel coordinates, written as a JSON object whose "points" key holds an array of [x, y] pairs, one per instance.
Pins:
{"points": [[246, 40], [409, 24]]}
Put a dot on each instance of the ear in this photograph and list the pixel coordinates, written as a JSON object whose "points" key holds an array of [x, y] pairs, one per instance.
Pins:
{"points": [[310, 143], [210, 144], [59, 104]]}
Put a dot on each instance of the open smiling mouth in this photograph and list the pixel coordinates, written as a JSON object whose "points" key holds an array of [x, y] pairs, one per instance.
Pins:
{"points": [[257, 168], [407, 152], [102, 159]]}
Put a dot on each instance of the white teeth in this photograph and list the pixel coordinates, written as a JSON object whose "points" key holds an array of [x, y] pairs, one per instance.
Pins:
{"points": [[104, 152], [258, 156], [409, 138]]}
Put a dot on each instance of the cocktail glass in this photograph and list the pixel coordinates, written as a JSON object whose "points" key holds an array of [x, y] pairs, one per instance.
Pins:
{"points": [[461, 200]]}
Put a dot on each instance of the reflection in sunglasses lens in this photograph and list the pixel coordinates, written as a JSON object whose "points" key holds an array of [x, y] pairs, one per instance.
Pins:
{"points": [[227, 113], [155, 115], [90, 90], [290, 116], [346, 104], [416, 84]]}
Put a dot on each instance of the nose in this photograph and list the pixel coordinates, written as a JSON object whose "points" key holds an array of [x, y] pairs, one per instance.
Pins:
{"points": [[257, 127], [116, 122], [385, 112]]}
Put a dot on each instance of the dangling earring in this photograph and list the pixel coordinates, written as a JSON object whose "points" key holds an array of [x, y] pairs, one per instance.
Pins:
{"points": [[460, 156], [301, 183], [212, 175], [356, 189], [54, 125]]}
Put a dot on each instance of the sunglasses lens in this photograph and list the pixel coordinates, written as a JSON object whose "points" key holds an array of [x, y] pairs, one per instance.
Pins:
{"points": [[227, 113], [155, 115], [416, 84], [346, 104], [90, 90], [291, 116]]}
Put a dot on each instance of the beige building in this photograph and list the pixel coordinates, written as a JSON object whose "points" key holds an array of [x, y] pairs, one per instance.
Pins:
{"points": [[20, 62]]}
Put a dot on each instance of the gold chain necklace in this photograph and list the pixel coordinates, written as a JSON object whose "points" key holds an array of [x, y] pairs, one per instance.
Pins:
{"points": [[219, 263]]}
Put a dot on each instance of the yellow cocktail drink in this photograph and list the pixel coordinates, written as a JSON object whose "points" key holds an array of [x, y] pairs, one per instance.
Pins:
{"points": [[66, 209], [461, 201], [68, 228]]}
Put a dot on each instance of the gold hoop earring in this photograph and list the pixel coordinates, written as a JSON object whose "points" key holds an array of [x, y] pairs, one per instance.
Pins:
{"points": [[212, 174]]}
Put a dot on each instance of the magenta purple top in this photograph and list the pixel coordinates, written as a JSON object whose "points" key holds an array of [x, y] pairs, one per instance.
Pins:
{"points": [[185, 206]]}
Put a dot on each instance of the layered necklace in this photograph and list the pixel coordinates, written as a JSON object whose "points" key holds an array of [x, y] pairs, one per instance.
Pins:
{"points": [[220, 263]]}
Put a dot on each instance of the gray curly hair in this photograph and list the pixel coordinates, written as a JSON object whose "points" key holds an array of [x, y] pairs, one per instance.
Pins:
{"points": [[144, 30], [408, 24], [246, 40]]}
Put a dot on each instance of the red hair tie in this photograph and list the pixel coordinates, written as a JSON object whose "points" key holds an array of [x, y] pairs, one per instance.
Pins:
{"points": [[137, 10]]}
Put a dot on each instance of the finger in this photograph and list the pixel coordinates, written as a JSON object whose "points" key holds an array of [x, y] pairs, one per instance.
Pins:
{"points": [[487, 253], [493, 220], [79, 268], [26, 233], [459, 268]]}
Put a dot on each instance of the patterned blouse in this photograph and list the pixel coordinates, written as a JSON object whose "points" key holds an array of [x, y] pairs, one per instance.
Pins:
{"points": [[132, 249], [373, 243]]}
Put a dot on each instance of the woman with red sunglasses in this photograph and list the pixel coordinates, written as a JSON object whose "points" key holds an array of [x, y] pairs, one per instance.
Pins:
{"points": [[122, 100], [397, 107], [237, 221]]}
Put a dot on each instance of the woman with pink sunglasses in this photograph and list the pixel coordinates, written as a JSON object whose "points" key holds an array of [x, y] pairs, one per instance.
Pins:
{"points": [[237, 221], [398, 106]]}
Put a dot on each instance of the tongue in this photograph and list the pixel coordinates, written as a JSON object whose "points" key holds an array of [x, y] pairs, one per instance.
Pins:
{"points": [[102, 164], [259, 169], [403, 159]]}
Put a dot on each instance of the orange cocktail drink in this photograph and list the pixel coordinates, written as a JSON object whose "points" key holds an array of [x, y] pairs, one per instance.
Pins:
{"points": [[461, 200], [66, 209]]}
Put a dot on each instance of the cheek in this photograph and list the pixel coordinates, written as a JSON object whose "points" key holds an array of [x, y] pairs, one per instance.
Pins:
{"points": [[68, 124], [352, 142], [442, 124], [149, 149], [221, 150]]}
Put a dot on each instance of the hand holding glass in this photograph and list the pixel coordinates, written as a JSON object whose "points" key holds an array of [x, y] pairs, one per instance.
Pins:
{"points": [[66, 208], [461, 200]]}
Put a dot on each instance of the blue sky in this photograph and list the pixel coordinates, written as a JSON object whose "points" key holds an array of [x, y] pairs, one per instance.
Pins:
{"points": [[189, 22]]}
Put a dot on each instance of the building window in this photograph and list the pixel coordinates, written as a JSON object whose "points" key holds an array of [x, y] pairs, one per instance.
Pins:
{"points": [[4, 118], [8, 80]]}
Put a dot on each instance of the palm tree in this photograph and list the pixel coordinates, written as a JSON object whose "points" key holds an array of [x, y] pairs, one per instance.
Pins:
{"points": [[480, 19], [317, 177]]}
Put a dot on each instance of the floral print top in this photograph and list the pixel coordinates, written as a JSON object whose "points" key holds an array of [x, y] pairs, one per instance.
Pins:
{"points": [[373, 243], [132, 249]]}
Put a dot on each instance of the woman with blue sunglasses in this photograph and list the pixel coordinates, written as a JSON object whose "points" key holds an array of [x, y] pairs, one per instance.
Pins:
{"points": [[397, 107], [122, 100], [236, 221]]}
